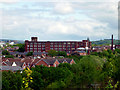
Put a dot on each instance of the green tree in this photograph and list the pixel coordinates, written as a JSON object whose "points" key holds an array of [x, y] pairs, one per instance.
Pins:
{"points": [[29, 54], [5, 52], [21, 47], [87, 71], [9, 56], [62, 53], [38, 83], [65, 65], [52, 53], [27, 79], [12, 81]]}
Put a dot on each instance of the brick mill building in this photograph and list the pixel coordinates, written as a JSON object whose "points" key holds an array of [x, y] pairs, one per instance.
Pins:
{"points": [[44, 46]]}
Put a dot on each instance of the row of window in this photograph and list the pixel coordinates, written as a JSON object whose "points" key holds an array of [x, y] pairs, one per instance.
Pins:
{"points": [[57, 50], [51, 46], [53, 43]]}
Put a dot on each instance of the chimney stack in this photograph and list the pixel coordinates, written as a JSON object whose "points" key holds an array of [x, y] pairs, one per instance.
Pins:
{"points": [[34, 39], [112, 43]]}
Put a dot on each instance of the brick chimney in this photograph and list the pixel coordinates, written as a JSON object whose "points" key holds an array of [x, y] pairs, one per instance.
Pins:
{"points": [[112, 43], [34, 39]]}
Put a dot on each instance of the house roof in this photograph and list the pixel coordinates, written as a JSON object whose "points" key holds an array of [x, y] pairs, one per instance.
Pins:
{"points": [[27, 60], [24, 53], [37, 53], [17, 63], [19, 53], [13, 60], [49, 61], [36, 60], [65, 59], [81, 51], [12, 68]]}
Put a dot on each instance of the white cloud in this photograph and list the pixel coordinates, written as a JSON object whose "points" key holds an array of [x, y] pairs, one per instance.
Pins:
{"points": [[101, 17], [8, 1], [63, 8]]}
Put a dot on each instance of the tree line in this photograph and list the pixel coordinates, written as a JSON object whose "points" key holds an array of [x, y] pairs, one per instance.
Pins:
{"points": [[99, 68]]}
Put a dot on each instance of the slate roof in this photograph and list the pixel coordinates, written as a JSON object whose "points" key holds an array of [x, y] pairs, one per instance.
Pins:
{"points": [[19, 53], [60, 60], [17, 63], [27, 60], [64, 59], [24, 53], [49, 61], [12, 68], [13, 60], [81, 51], [36, 60], [68, 60], [37, 53]]}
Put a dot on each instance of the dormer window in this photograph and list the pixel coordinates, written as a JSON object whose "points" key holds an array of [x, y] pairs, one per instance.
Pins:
{"points": [[14, 64]]}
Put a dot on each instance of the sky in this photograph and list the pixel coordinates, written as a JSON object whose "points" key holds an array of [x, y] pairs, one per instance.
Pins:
{"points": [[58, 20]]}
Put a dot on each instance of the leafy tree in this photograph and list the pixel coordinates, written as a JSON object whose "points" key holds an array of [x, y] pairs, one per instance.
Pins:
{"points": [[117, 68], [62, 53], [29, 54], [52, 53], [57, 84], [117, 51], [65, 65], [9, 56], [52, 74], [27, 77], [86, 71], [21, 47], [38, 82], [12, 81], [5, 52]]}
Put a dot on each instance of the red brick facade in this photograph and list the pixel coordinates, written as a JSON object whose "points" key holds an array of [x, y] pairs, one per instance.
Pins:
{"points": [[41, 62], [45, 46]]}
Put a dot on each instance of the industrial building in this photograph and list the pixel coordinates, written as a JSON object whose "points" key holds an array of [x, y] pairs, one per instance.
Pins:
{"points": [[44, 46]]}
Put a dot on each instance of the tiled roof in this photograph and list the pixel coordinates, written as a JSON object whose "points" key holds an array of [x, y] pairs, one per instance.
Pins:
{"points": [[12, 68], [61, 60], [49, 61], [14, 60], [27, 60], [36, 60], [17, 63], [37, 53], [20, 53]]}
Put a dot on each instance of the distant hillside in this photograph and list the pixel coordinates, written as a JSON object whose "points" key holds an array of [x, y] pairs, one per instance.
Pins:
{"points": [[99, 42], [8, 40], [104, 42]]}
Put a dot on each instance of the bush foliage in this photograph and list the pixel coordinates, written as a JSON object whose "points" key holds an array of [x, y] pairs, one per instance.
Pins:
{"points": [[102, 68]]}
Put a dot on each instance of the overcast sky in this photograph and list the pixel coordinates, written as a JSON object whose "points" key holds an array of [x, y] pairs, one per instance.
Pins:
{"points": [[50, 20]]}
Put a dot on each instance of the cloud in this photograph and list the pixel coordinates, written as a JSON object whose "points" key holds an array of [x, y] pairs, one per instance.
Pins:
{"points": [[61, 21], [63, 8], [8, 1]]}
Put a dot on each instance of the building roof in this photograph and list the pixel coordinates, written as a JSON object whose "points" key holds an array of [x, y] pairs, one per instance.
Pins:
{"points": [[51, 61], [17, 63], [13, 60], [81, 51], [12, 68], [19, 53], [65, 60]]}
